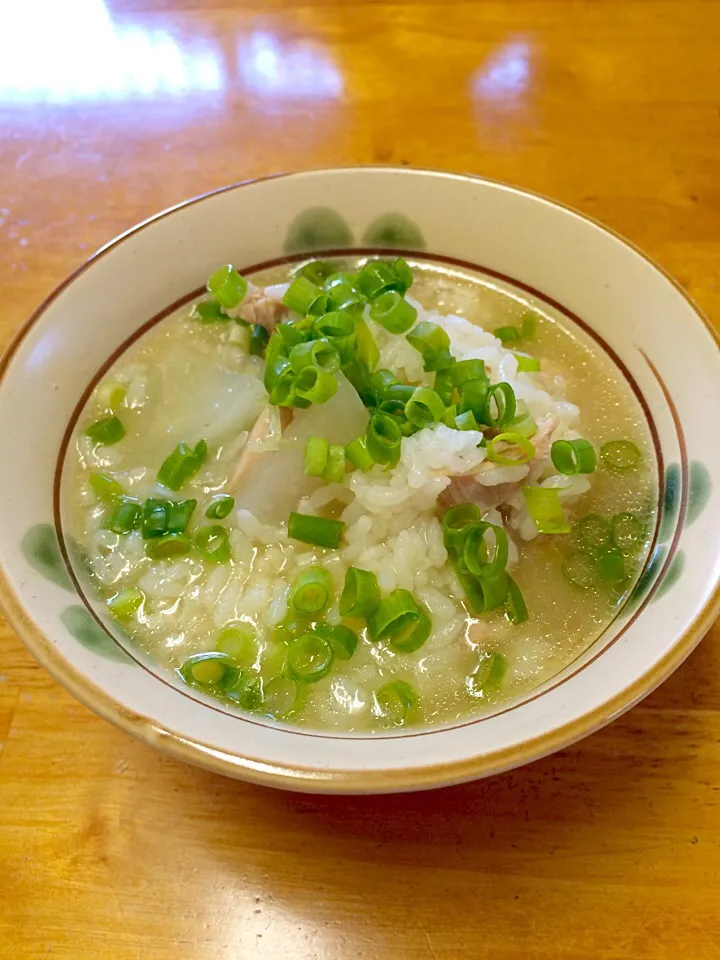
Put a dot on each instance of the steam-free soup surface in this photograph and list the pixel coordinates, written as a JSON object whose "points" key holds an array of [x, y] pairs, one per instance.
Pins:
{"points": [[191, 382]]}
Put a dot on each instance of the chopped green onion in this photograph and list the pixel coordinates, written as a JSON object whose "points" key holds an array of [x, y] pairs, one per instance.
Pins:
{"points": [[475, 551], [258, 340], [339, 277], [214, 543], [107, 431], [280, 697], [239, 642], [400, 392], [545, 509], [316, 456], [459, 421], [443, 385], [433, 343], [396, 701], [528, 325], [526, 363], [315, 353], [594, 533], [399, 620], [335, 467], [526, 330], [179, 513], [360, 597], [487, 675], [404, 273], [343, 640], [514, 440], [508, 334], [573, 456], [620, 455], [166, 516], [310, 657], [359, 374], [111, 394], [291, 333], [424, 407], [367, 350], [316, 530], [393, 312], [155, 518], [457, 523], [466, 421], [125, 603], [315, 385], [182, 465], [282, 392], [611, 566], [303, 296], [342, 295], [579, 570], [209, 670], [168, 545], [464, 370], [627, 531], [483, 593], [276, 364], [522, 422], [209, 311], [105, 487], [317, 271], [248, 694], [381, 381], [124, 517], [473, 397], [220, 507], [383, 438], [357, 452], [515, 606], [227, 286], [409, 642], [311, 591], [499, 406], [377, 277], [338, 324]]}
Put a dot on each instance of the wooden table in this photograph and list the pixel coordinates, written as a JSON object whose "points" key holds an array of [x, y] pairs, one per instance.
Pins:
{"points": [[110, 111]]}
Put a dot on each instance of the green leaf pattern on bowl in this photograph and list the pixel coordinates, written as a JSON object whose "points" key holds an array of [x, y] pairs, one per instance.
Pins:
{"points": [[319, 228], [82, 625], [394, 230]]}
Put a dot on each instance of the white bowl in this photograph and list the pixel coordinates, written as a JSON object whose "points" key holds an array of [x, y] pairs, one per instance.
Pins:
{"points": [[634, 310]]}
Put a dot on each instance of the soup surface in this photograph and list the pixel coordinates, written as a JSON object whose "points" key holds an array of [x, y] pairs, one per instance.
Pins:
{"points": [[182, 476]]}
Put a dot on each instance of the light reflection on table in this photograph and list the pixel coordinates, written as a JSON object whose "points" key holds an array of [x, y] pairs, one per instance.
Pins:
{"points": [[80, 54]]}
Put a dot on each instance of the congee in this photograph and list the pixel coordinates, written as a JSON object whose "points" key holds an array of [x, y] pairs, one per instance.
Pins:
{"points": [[361, 494]]}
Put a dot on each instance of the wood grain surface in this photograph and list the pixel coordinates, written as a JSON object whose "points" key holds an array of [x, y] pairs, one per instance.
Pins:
{"points": [[110, 111]]}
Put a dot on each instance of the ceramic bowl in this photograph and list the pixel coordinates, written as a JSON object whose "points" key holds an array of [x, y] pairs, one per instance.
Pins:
{"points": [[635, 312]]}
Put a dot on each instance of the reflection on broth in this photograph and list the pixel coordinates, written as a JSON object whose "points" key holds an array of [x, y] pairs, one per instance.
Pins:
{"points": [[308, 541]]}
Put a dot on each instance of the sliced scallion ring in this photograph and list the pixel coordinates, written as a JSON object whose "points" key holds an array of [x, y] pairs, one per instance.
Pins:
{"points": [[361, 594], [620, 456], [573, 456], [487, 676], [514, 441], [395, 701], [311, 591], [310, 657]]}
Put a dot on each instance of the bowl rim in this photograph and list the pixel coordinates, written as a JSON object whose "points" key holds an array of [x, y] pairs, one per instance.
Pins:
{"points": [[315, 779]]}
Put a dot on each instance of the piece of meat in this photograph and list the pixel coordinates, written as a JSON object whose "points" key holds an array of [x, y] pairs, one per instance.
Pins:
{"points": [[468, 490], [260, 306], [479, 487], [250, 455]]}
